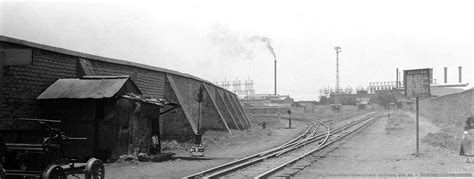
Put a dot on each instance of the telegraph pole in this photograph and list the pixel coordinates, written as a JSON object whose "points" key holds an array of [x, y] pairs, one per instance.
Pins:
{"points": [[336, 95]]}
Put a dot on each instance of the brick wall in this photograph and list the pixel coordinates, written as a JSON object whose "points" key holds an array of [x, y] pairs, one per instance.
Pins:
{"points": [[224, 108], [233, 111], [174, 125], [212, 116], [22, 84], [150, 83], [455, 107], [240, 110]]}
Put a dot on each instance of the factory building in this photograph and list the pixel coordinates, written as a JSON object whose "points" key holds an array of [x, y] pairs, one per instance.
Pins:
{"points": [[27, 69]]}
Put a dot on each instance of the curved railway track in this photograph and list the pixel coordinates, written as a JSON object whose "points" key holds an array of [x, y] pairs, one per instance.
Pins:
{"points": [[297, 164], [337, 119], [317, 136]]}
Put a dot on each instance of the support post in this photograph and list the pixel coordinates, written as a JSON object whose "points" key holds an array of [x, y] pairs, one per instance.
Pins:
{"points": [[199, 119], [289, 119], [199, 99], [155, 134]]}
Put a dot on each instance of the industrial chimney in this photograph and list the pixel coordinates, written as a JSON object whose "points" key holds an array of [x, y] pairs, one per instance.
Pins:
{"points": [[275, 76], [460, 74], [445, 75]]}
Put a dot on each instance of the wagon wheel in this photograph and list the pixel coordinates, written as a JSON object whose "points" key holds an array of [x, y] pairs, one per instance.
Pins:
{"points": [[95, 169], [54, 172]]}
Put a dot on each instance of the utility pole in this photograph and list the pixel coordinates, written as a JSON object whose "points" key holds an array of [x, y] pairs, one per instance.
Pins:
{"points": [[336, 95]]}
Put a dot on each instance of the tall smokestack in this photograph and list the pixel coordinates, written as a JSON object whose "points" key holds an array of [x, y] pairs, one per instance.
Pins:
{"points": [[445, 74], [275, 76], [397, 79], [460, 74]]}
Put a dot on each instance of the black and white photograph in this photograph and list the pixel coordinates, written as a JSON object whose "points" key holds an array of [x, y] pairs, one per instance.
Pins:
{"points": [[236, 89]]}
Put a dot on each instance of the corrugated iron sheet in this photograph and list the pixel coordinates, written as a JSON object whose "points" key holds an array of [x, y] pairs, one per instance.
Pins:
{"points": [[83, 88]]}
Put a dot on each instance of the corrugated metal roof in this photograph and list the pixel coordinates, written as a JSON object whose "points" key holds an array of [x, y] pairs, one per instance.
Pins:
{"points": [[88, 87]]}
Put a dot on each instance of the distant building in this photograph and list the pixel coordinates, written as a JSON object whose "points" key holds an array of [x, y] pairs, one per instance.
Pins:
{"points": [[306, 103], [381, 86], [268, 100]]}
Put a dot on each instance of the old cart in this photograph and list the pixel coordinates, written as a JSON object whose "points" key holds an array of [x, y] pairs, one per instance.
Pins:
{"points": [[39, 153]]}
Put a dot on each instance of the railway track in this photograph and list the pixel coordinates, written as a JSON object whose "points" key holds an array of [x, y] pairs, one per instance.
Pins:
{"points": [[337, 119], [317, 136], [293, 166]]}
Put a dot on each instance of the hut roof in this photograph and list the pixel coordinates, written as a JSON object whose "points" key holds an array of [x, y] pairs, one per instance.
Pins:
{"points": [[95, 87]]}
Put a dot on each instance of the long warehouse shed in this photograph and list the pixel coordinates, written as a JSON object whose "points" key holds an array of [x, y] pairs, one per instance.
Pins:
{"points": [[28, 69]]}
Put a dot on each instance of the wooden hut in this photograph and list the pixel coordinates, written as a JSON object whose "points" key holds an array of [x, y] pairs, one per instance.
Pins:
{"points": [[106, 110]]}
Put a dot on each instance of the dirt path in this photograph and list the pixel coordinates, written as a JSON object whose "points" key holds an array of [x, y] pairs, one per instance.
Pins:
{"points": [[222, 149], [386, 149]]}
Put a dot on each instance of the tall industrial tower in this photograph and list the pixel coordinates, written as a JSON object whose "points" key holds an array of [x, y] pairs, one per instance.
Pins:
{"points": [[275, 76], [338, 50]]}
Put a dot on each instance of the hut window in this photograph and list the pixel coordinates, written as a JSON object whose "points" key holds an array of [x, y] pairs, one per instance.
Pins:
{"points": [[99, 109]]}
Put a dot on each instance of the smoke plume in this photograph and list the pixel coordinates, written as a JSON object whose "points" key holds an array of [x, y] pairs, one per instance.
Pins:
{"points": [[235, 45], [231, 44], [267, 41]]}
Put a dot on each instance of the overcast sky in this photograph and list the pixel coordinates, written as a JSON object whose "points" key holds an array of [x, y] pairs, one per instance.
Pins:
{"points": [[215, 40]]}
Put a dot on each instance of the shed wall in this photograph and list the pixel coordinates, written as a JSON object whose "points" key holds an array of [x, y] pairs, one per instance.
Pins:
{"points": [[22, 84]]}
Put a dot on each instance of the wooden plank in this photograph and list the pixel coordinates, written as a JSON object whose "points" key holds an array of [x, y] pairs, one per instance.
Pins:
{"points": [[122, 130], [215, 107]]}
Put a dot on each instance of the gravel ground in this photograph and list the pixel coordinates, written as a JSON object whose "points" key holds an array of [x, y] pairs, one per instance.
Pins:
{"points": [[386, 149], [220, 148]]}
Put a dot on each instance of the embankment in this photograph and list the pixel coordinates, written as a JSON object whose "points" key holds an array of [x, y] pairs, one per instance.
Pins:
{"points": [[448, 112]]}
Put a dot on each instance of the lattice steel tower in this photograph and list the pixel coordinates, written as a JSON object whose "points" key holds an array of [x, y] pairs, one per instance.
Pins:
{"points": [[338, 50]]}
